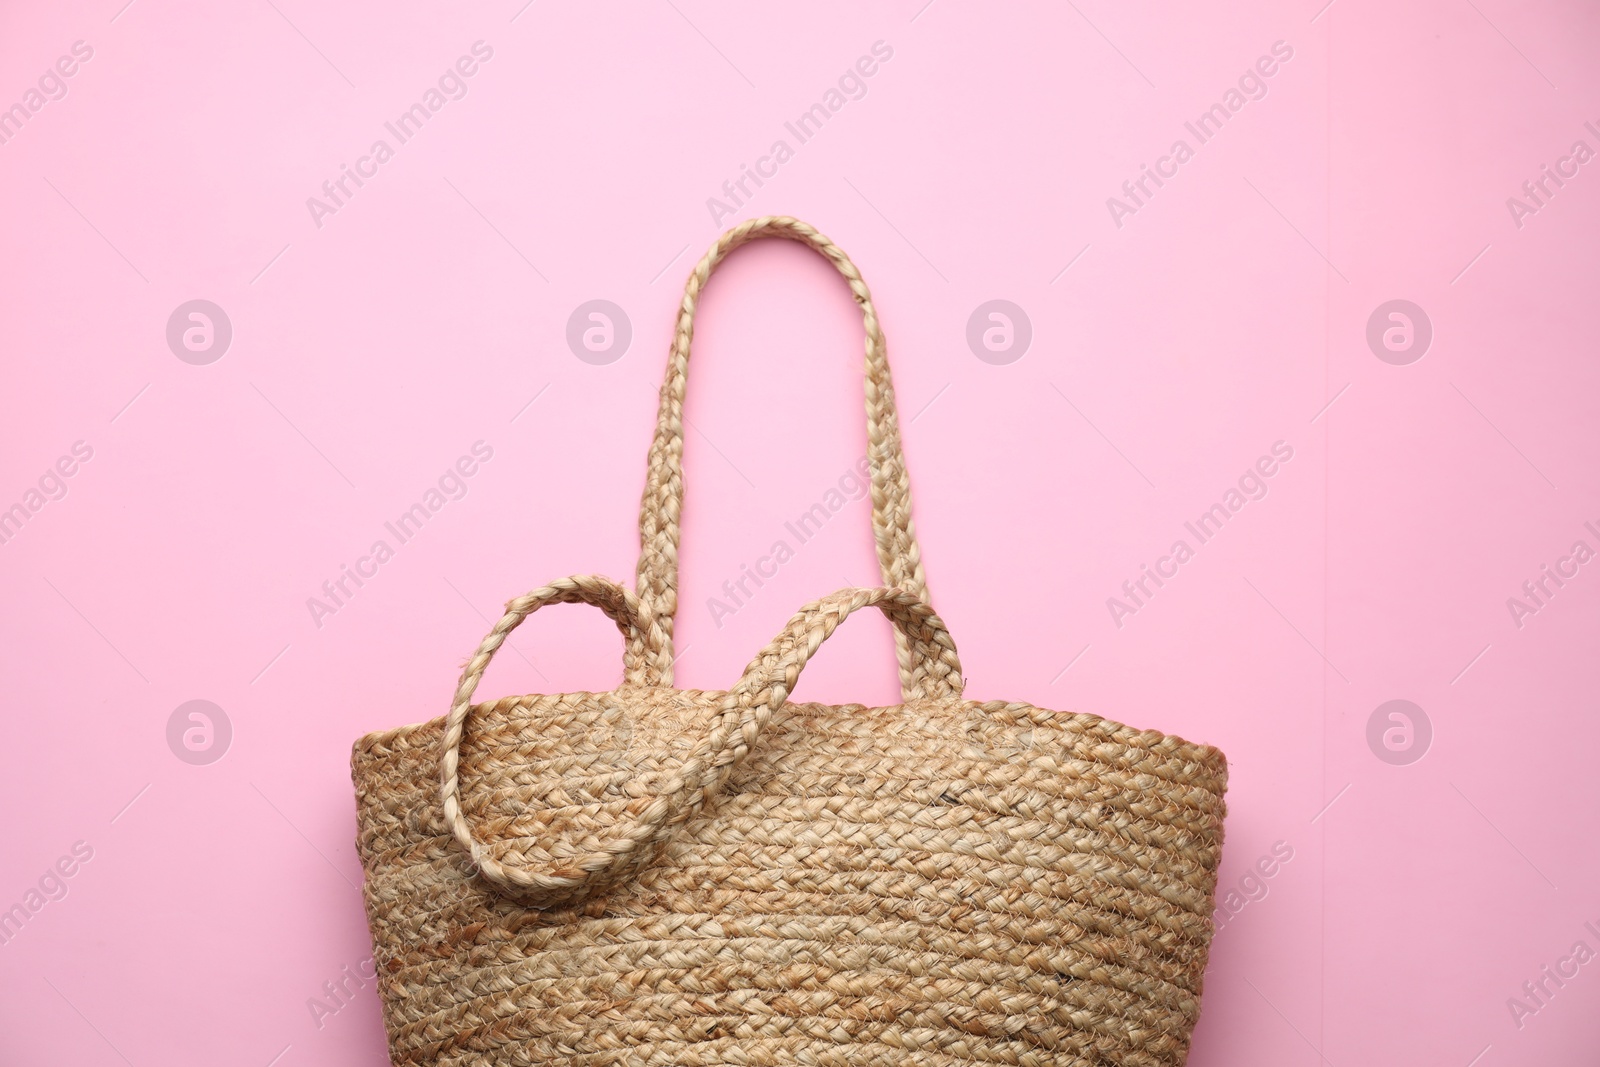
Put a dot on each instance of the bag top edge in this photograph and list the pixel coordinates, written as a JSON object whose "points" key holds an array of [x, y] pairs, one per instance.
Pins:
{"points": [[1210, 756]]}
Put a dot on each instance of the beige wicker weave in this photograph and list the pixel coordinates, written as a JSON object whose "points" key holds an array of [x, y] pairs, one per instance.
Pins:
{"points": [[654, 877]]}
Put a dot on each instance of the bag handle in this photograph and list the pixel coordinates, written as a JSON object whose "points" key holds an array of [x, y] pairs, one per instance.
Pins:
{"points": [[645, 658], [899, 559], [559, 874]]}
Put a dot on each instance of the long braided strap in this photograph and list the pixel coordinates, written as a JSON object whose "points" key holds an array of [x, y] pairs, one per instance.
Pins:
{"points": [[614, 855], [899, 559]]}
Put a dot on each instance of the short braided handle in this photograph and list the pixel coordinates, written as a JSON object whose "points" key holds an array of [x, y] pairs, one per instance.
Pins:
{"points": [[646, 657], [899, 559], [746, 709], [772, 675]]}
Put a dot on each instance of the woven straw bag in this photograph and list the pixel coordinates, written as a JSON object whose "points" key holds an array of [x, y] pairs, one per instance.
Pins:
{"points": [[656, 877]]}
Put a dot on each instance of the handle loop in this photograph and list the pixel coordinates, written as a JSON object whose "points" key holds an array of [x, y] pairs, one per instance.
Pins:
{"points": [[646, 657], [899, 559], [738, 722]]}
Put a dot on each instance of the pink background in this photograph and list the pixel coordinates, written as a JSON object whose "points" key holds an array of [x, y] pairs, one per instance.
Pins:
{"points": [[1227, 314]]}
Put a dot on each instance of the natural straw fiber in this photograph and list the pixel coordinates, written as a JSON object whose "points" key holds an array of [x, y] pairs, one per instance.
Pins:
{"points": [[654, 877]]}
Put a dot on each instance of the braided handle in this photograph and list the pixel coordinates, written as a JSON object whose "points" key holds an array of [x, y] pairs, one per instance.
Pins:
{"points": [[646, 658], [899, 559], [772, 675], [745, 710]]}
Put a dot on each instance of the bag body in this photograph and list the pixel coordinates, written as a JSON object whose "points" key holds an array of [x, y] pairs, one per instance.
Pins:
{"points": [[662, 877]]}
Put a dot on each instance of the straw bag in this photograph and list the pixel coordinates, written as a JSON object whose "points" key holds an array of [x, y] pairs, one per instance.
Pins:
{"points": [[655, 877]]}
